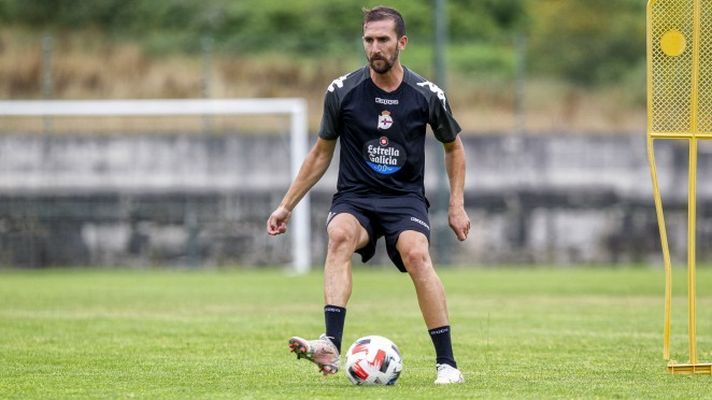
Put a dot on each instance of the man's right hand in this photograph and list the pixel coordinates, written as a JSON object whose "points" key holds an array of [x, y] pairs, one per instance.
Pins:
{"points": [[277, 222]]}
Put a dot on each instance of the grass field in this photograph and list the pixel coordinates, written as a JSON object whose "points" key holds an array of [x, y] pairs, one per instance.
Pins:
{"points": [[519, 333]]}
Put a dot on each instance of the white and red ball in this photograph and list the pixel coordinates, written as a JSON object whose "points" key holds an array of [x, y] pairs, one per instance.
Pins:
{"points": [[373, 360]]}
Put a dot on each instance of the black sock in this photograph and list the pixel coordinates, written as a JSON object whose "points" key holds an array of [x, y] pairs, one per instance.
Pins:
{"points": [[334, 317], [443, 345]]}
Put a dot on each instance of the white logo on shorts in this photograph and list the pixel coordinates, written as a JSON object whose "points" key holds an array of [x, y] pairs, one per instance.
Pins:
{"points": [[420, 221]]}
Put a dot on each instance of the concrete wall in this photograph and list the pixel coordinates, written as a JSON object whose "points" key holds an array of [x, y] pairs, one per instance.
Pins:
{"points": [[203, 200]]}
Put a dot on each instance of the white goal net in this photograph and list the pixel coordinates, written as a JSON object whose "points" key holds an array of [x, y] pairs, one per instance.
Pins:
{"points": [[56, 166]]}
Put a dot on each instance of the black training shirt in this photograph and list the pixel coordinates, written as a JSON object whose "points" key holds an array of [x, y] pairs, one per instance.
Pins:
{"points": [[383, 133]]}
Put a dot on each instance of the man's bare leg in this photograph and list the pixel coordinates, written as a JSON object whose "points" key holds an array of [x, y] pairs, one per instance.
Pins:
{"points": [[346, 235], [413, 248]]}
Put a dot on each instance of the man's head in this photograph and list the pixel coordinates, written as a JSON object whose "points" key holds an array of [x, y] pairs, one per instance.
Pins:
{"points": [[381, 13], [383, 37]]}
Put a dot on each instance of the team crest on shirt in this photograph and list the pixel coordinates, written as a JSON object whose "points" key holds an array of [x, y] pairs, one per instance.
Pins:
{"points": [[385, 120]]}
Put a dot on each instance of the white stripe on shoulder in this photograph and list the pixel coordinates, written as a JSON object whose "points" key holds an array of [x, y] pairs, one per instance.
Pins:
{"points": [[435, 89], [338, 82]]}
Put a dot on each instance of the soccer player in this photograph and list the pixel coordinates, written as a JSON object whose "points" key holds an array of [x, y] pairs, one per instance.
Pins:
{"points": [[380, 113]]}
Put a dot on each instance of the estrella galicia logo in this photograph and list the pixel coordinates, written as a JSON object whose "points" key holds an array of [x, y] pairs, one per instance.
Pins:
{"points": [[384, 156], [385, 120]]}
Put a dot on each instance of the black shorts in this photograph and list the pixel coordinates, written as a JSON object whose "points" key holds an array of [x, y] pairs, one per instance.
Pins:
{"points": [[384, 216]]}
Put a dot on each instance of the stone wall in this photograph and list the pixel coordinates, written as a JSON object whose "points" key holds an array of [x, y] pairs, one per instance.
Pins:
{"points": [[203, 200]]}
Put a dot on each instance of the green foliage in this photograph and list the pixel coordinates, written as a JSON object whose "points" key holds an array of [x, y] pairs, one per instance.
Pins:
{"points": [[254, 25], [587, 41], [482, 59], [476, 60], [582, 41], [485, 20]]}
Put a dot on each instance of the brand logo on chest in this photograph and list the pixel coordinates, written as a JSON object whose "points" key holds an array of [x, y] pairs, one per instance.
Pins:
{"points": [[384, 156], [388, 102]]}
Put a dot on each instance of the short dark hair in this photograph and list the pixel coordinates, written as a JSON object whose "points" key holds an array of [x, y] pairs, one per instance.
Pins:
{"points": [[380, 13]]}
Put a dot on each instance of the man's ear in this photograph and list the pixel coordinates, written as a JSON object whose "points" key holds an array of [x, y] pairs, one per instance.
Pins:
{"points": [[402, 42]]}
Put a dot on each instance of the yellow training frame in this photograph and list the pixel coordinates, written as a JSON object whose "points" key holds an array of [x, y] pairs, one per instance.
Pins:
{"points": [[679, 62]]}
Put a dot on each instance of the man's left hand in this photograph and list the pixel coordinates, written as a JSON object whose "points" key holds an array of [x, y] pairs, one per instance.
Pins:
{"points": [[459, 221]]}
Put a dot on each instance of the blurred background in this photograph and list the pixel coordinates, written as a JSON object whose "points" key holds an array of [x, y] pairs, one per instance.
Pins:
{"points": [[550, 95], [572, 65]]}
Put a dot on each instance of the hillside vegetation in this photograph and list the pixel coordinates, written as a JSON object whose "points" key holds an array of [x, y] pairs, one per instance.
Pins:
{"points": [[576, 64]]}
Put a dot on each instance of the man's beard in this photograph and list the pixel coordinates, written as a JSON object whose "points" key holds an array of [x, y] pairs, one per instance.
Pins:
{"points": [[386, 65]]}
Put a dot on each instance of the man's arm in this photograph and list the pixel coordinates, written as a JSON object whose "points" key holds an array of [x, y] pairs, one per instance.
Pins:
{"points": [[455, 166], [313, 168]]}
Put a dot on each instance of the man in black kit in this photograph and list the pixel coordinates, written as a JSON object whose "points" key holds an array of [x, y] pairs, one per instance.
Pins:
{"points": [[380, 113]]}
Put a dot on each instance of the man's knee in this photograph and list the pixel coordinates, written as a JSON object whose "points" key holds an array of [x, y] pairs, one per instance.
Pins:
{"points": [[344, 232], [340, 236], [416, 259], [413, 249]]}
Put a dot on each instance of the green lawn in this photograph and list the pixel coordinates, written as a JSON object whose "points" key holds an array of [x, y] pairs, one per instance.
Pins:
{"points": [[519, 333]]}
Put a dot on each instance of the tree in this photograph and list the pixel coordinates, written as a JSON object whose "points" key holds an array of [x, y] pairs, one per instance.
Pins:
{"points": [[586, 41]]}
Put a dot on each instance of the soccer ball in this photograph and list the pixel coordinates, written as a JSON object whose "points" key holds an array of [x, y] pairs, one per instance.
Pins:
{"points": [[373, 360]]}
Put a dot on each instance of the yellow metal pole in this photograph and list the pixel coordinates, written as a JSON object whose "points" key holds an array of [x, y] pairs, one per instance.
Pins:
{"points": [[665, 247], [691, 279], [692, 187], [656, 187]]}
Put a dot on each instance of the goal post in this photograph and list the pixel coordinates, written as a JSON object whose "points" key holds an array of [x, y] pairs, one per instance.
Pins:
{"points": [[294, 108]]}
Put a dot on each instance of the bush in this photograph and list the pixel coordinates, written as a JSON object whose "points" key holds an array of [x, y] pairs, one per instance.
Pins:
{"points": [[586, 42]]}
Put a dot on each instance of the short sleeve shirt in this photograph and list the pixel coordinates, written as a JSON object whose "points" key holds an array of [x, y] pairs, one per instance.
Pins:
{"points": [[382, 134]]}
